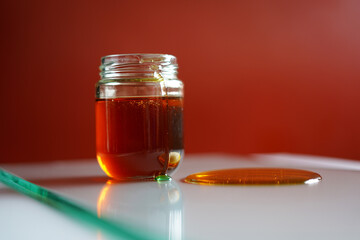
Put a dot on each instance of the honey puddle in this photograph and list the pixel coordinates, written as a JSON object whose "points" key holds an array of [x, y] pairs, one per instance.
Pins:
{"points": [[254, 176]]}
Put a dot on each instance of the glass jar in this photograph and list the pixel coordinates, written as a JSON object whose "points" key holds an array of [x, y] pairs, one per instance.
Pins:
{"points": [[139, 116]]}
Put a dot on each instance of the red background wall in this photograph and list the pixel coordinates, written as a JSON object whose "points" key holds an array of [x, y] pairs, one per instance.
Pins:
{"points": [[261, 76]]}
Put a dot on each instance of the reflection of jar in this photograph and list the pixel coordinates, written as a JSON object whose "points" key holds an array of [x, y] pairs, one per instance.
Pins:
{"points": [[153, 207], [139, 111]]}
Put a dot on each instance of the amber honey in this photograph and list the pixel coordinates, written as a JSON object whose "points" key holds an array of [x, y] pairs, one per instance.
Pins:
{"points": [[254, 176], [139, 137]]}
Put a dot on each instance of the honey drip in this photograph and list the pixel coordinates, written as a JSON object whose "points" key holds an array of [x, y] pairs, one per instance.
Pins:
{"points": [[254, 176]]}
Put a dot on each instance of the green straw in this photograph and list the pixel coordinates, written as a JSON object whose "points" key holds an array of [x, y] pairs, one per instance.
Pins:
{"points": [[121, 230]]}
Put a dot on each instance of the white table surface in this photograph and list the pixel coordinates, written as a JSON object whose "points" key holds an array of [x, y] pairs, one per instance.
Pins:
{"points": [[177, 210]]}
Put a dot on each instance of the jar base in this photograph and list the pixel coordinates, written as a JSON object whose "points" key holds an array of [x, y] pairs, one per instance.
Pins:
{"points": [[158, 178]]}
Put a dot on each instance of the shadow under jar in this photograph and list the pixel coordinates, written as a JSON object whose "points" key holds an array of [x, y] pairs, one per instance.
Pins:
{"points": [[139, 116]]}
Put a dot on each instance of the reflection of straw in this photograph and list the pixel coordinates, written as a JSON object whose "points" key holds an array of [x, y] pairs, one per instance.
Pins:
{"points": [[122, 231], [164, 176]]}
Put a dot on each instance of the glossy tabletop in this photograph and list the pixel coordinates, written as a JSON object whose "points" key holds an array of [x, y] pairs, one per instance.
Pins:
{"points": [[178, 210]]}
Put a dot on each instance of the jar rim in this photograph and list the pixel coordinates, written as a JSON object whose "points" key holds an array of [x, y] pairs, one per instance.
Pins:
{"points": [[140, 56], [138, 65]]}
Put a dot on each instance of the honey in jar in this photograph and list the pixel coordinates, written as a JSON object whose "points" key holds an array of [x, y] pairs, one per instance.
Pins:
{"points": [[139, 116]]}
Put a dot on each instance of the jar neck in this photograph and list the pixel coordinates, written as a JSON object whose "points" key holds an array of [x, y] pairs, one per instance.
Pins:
{"points": [[150, 67]]}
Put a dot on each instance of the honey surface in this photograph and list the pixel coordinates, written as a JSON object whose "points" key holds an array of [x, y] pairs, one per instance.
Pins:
{"points": [[254, 176]]}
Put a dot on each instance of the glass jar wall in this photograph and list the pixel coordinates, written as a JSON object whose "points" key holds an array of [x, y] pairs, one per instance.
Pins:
{"points": [[139, 116]]}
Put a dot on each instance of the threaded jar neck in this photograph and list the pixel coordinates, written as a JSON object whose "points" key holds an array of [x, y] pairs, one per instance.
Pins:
{"points": [[138, 66]]}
